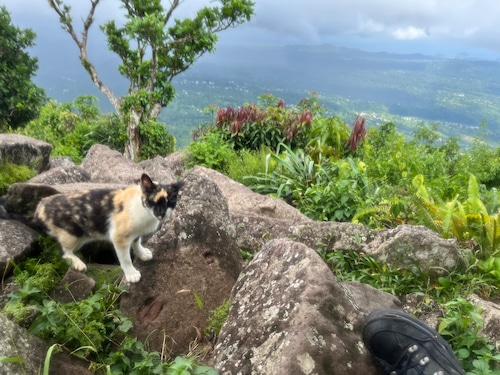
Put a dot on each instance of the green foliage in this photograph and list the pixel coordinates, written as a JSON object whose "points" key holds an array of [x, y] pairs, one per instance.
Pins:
{"points": [[12, 173], [353, 266], [461, 326], [248, 163], [462, 220], [20, 98], [72, 128], [328, 138], [156, 140], [293, 173], [217, 318], [210, 151], [342, 192], [252, 127], [88, 327]]}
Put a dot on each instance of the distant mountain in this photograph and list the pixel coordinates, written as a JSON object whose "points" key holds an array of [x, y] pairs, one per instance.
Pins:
{"points": [[458, 94]]}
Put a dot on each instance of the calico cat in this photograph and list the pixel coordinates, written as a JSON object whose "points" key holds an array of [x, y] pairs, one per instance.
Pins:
{"points": [[121, 216]]}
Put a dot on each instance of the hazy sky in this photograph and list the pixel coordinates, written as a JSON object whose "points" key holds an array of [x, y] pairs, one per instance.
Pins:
{"points": [[447, 27]]}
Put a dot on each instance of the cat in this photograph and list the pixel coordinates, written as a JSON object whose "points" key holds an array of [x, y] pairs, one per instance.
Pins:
{"points": [[120, 216]]}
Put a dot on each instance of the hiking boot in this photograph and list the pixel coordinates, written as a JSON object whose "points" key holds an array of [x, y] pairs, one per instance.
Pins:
{"points": [[403, 345]]}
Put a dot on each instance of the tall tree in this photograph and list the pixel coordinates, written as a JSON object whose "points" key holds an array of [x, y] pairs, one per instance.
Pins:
{"points": [[20, 98], [153, 48]]}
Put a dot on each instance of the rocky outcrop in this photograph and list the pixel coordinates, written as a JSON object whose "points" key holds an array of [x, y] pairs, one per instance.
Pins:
{"points": [[291, 316], [21, 150], [288, 314], [109, 166]]}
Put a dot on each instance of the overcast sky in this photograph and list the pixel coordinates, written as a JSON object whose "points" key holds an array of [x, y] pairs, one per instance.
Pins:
{"points": [[448, 27]]}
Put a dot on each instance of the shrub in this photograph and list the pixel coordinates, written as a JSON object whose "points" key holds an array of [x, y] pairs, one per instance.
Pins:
{"points": [[211, 151], [251, 126], [156, 140]]}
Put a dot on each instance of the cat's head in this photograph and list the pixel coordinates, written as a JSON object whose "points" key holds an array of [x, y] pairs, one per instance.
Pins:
{"points": [[159, 198]]}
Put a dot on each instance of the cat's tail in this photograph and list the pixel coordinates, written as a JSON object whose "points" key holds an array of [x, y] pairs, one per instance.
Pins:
{"points": [[29, 220]]}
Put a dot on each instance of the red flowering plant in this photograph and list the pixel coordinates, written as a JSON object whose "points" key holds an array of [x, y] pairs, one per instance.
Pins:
{"points": [[269, 124]]}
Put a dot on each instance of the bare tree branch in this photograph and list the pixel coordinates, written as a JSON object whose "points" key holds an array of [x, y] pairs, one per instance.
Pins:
{"points": [[67, 24], [173, 5]]}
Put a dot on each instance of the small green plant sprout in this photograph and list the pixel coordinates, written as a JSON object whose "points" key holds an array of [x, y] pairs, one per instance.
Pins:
{"points": [[217, 318]]}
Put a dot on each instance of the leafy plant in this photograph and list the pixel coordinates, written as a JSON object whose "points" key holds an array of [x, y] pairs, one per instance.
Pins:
{"points": [[212, 152], [293, 173], [461, 326], [251, 126], [462, 220], [156, 140], [217, 318]]}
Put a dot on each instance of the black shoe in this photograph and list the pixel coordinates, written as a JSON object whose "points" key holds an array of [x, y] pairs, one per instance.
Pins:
{"points": [[403, 345]]}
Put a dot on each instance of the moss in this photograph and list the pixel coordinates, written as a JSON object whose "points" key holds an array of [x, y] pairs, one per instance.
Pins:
{"points": [[12, 173]]}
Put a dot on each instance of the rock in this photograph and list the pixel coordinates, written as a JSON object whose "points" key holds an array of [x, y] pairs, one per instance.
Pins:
{"points": [[177, 162], [416, 248], [491, 316], [109, 166], [62, 175], [413, 247], [21, 150], [243, 201], [158, 169], [74, 286], [15, 242], [28, 353], [289, 315], [195, 260], [61, 161], [253, 231]]}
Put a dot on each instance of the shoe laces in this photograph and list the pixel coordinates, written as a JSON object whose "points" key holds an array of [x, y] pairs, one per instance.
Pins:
{"points": [[413, 363]]}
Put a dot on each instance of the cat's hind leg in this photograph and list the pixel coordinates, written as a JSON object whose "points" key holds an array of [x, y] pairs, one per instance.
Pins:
{"points": [[140, 251], [69, 245]]}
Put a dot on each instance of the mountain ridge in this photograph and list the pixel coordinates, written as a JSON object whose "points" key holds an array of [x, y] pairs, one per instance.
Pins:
{"points": [[456, 93]]}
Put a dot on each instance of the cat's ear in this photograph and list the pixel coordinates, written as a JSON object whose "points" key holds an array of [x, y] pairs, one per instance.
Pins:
{"points": [[146, 184]]}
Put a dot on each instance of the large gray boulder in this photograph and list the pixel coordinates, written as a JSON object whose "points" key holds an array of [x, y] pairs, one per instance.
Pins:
{"points": [[241, 200], [21, 150], [109, 166], [289, 315]]}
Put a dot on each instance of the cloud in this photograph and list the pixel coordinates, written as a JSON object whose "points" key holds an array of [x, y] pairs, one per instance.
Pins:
{"points": [[409, 33], [468, 23]]}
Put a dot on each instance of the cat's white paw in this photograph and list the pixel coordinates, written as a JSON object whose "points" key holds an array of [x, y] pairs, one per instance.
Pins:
{"points": [[76, 262], [132, 276], [145, 254]]}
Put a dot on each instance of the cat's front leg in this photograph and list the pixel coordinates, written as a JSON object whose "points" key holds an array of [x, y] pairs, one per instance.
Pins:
{"points": [[132, 275], [140, 251]]}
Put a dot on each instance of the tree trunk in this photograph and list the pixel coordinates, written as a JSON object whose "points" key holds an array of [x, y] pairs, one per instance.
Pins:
{"points": [[133, 144]]}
